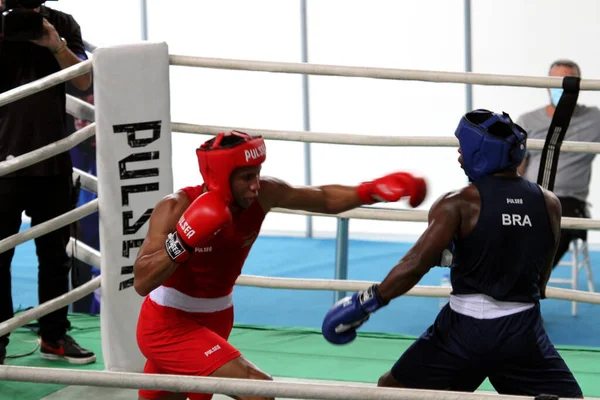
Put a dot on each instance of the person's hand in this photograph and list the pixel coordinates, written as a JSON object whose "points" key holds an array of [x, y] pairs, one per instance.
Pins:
{"points": [[50, 38]]}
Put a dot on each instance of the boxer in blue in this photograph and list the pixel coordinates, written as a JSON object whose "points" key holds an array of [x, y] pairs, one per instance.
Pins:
{"points": [[503, 231]]}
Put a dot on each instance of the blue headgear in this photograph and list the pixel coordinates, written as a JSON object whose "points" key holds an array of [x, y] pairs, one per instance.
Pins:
{"points": [[489, 143]]}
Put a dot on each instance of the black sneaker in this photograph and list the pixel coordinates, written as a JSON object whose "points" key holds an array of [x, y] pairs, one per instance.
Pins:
{"points": [[66, 348], [2, 353]]}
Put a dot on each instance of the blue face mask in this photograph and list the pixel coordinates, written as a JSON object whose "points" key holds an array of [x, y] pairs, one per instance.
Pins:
{"points": [[555, 94]]}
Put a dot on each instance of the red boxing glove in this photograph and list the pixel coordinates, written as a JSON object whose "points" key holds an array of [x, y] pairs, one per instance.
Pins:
{"points": [[203, 219], [393, 187]]}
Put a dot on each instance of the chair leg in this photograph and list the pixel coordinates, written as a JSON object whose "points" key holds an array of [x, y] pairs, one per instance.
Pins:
{"points": [[588, 267], [574, 274]]}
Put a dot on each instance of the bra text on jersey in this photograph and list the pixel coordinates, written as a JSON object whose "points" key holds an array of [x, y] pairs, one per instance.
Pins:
{"points": [[516, 220]]}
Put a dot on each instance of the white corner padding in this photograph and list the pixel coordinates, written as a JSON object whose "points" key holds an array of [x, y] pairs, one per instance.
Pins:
{"points": [[133, 138]]}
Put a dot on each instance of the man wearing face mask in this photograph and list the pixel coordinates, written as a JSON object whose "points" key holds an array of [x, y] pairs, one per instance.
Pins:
{"points": [[574, 169]]}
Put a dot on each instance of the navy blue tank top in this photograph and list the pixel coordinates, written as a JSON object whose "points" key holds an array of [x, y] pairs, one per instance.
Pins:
{"points": [[504, 254]]}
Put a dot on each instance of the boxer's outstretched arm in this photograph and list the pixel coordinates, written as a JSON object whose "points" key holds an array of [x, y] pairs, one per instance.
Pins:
{"points": [[328, 199], [444, 222], [153, 265], [334, 199]]}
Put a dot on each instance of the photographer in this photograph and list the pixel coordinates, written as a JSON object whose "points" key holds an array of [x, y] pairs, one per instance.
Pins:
{"points": [[38, 41]]}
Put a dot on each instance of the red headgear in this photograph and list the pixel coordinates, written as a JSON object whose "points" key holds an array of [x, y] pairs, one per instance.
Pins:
{"points": [[217, 162]]}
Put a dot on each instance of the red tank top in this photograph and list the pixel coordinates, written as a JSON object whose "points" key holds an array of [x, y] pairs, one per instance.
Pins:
{"points": [[214, 268]]}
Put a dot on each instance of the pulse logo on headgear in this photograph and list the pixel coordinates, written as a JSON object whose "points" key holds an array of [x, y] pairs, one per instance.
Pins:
{"points": [[217, 163], [254, 154]]}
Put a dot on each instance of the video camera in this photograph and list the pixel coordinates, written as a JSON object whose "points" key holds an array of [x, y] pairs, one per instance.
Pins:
{"points": [[19, 22]]}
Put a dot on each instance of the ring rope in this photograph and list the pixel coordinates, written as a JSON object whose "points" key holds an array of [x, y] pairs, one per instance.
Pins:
{"points": [[380, 214], [84, 253], [49, 226], [93, 258], [377, 73], [388, 214], [419, 291], [80, 109], [88, 181], [50, 150], [44, 83], [90, 47], [368, 140], [235, 386]]}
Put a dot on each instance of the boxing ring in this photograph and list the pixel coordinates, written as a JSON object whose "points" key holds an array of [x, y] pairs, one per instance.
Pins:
{"points": [[276, 389]]}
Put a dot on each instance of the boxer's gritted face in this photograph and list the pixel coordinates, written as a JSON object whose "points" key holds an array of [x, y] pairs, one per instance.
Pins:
{"points": [[245, 184]]}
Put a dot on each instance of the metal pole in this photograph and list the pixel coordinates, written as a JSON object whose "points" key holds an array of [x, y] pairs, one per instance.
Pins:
{"points": [[341, 254], [144, 18], [306, 109], [468, 54]]}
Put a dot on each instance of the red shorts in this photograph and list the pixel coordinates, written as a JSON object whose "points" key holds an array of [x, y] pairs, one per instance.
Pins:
{"points": [[182, 343]]}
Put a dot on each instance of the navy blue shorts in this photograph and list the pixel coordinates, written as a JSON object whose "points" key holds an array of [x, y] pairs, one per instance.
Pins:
{"points": [[458, 352]]}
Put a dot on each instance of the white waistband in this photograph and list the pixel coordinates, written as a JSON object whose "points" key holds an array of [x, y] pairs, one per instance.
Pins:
{"points": [[481, 306], [169, 297]]}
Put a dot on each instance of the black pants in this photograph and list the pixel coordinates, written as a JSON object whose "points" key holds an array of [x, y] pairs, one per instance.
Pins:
{"points": [[42, 198], [571, 207]]}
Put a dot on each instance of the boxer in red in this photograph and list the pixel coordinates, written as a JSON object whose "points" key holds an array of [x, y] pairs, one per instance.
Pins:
{"points": [[197, 242]]}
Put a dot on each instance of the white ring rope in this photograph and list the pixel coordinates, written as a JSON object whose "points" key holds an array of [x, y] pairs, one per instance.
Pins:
{"points": [[372, 213], [419, 291], [84, 253], [377, 73], [88, 181], [368, 140], [44, 83], [80, 109], [386, 214], [49, 226], [50, 150], [231, 386], [90, 47]]}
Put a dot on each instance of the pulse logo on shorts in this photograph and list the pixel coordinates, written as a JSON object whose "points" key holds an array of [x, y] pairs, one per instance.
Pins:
{"points": [[209, 352]]}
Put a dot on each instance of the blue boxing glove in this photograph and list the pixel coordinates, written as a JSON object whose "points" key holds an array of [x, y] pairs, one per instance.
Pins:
{"points": [[349, 313]]}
